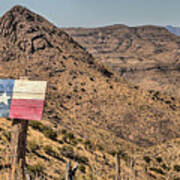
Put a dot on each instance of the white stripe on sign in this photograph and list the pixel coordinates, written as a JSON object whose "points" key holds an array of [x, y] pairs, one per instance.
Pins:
{"points": [[24, 89]]}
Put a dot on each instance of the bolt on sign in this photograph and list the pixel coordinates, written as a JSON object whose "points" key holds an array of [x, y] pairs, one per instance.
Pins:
{"points": [[22, 99]]}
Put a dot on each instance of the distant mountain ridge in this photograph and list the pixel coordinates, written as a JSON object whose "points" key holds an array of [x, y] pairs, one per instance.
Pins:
{"points": [[173, 29], [147, 56]]}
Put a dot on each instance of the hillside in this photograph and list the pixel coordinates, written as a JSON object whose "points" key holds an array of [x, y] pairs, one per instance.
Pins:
{"points": [[90, 112], [147, 56]]}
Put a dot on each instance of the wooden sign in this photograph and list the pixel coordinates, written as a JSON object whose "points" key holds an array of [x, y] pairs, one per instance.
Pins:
{"points": [[22, 99]]}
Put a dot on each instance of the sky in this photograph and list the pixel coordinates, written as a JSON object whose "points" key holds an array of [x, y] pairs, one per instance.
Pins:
{"points": [[94, 13]]}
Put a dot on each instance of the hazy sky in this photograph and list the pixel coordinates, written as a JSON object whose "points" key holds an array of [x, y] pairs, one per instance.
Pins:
{"points": [[68, 13]]}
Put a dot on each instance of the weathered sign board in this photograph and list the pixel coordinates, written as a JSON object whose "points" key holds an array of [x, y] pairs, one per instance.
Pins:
{"points": [[22, 99]]}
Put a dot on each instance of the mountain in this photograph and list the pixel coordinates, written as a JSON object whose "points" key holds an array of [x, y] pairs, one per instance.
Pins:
{"points": [[174, 30], [90, 112], [146, 56]]}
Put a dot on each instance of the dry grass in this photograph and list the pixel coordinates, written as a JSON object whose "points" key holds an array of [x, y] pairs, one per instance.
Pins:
{"points": [[100, 164], [40, 158]]}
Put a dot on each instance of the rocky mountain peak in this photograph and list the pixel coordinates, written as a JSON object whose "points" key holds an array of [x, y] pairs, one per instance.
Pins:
{"points": [[27, 30]]}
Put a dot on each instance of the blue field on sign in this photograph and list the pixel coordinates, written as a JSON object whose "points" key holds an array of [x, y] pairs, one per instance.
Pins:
{"points": [[6, 92]]}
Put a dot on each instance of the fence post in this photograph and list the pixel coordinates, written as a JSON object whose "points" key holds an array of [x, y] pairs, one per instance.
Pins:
{"points": [[18, 148], [70, 172], [118, 167]]}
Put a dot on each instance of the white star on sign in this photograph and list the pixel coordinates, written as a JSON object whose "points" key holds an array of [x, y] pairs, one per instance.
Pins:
{"points": [[4, 98]]}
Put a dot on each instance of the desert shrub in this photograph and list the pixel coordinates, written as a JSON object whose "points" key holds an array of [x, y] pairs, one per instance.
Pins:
{"points": [[74, 142], [112, 153], [70, 135], [33, 146], [49, 150], [67, 151], [82, 168], [177, 168], [106, 72], [50, 133], [159, 159], [88, 144], [111, 87], [47, 131], [36, 169], [136, 87], [36, 125], [168, 102], [82, 159], [156, 93], [147, 159], [79, 140], [60, 142], [69, 138], [99, 147], [63, 131], [165, 167]]}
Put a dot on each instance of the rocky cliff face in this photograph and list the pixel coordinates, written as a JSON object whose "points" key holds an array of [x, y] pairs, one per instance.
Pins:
{"points": [[146, 56]]}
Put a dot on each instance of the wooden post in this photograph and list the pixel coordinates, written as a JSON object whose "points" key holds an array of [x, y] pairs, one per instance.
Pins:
{"points": [[70, 172], [18, 148], [118, 167], [18, 145]]}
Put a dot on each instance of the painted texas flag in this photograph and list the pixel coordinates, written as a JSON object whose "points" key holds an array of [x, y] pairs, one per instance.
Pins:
{"points": [[22, 99]]}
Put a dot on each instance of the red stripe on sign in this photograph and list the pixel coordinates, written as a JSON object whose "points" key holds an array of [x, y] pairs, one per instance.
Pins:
{"points": [[26, 109]]}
